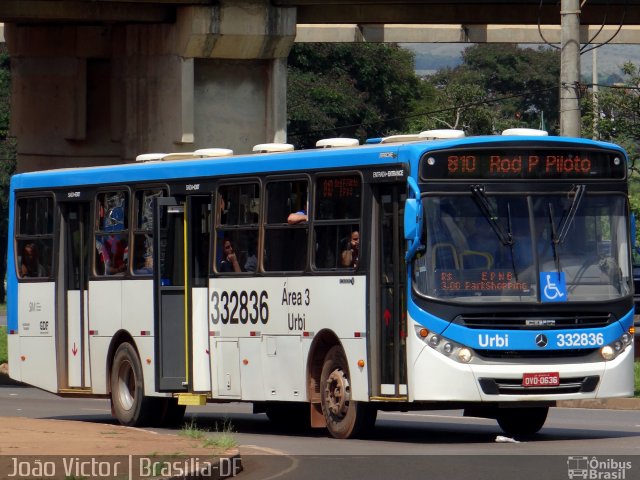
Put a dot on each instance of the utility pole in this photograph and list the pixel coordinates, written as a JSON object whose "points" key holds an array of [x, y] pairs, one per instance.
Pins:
{"points": [[570, 68]]}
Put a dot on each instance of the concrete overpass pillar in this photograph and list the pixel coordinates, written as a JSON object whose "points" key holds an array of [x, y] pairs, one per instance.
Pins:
{"points": [[95, 95]]}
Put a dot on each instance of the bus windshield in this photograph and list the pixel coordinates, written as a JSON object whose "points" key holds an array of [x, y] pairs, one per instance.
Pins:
{"points": [[497, 248]]}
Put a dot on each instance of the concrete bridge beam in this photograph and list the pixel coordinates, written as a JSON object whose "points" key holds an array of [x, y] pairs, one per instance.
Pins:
{"points": [[92, 95]]}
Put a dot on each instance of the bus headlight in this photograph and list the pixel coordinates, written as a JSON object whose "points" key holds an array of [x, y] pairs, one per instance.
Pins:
{"points": [[607, 352], [464, 355], [615, 348], [443, 345]]}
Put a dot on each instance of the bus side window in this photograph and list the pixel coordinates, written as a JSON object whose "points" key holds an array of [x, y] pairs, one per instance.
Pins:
{"points": [[336, 227], [34, 237], [285, 246], [143, 230], [237, 223], [112, 233]]}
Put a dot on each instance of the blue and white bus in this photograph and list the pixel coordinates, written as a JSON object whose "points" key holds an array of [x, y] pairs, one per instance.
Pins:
{"points": [[490, 274]]}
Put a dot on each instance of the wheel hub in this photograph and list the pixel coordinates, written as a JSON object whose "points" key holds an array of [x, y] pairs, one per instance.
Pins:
{"points": [[337, 393], [126, 386]]}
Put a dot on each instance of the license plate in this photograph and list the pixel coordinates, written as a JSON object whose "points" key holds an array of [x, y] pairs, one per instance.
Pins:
{"points": [[546, 379]]}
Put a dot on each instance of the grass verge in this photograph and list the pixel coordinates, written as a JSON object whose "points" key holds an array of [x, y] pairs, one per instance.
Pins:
{"points": [[221, 438]]}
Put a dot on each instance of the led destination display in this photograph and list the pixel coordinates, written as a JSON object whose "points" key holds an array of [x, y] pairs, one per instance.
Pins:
{"points": [[522, 164]]}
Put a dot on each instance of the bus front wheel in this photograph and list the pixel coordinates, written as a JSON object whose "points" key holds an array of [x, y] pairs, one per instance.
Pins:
{"points": [[522, 421], [128, 403], [345, 418]]}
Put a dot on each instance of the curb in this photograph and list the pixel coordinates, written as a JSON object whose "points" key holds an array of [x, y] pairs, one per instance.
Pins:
{"points": [[609, 403]]}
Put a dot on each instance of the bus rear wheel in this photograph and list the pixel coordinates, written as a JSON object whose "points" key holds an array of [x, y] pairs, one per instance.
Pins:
{"points": [[128, 402], [345, 418], [522, 421]]}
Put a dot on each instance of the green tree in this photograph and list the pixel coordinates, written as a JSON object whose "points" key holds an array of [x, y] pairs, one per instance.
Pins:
{"points": [[351, 90], [617, 120], [7, 161], [497, 86]]}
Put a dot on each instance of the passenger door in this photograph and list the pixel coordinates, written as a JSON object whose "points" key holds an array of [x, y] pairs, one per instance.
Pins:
{"points": [[74, 243], [391, 283], [171, 325]]}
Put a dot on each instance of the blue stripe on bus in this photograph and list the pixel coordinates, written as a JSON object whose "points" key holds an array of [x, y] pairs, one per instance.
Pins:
{"points": [[12, 281], [521, 339], [266, 163]]}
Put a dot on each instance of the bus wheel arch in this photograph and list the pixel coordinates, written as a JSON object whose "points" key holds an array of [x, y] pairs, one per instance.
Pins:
{"points": [[329, 383], [323, 341], [119, 338]]}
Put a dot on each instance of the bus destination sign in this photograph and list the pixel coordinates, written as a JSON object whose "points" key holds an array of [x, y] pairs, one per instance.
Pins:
{"points": [[523, 164]]}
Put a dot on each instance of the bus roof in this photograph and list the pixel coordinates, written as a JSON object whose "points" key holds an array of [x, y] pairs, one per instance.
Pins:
{"points": [[247, 164]]}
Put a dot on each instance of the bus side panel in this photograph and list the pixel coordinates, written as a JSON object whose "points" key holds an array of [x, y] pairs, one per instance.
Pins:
{"points": [[105, 319], [99, 348], [252, 380], [36, 319], [137, 319], [13, 345], [283, 367], [284, 314], [105, 307], [200, 340], [137, 307], [356, 349]]}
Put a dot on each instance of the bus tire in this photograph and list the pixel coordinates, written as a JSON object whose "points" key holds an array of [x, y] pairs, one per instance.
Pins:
{"points": [[345, 418], [522, 421], [128, 402]]}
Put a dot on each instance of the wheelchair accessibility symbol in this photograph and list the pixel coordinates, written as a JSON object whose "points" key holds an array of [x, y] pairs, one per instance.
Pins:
{"points": [[553, 287]]}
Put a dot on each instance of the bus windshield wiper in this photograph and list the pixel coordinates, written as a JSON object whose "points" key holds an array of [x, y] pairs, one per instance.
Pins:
{"points": [[506, 238], [578, 192], [554, 239]]}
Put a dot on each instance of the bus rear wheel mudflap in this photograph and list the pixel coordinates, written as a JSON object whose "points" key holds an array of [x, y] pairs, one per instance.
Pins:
{"points": [[345, 418], [128, 402]]}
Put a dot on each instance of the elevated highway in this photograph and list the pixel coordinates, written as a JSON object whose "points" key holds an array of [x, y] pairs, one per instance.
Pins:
{"points": [[100, 81]]}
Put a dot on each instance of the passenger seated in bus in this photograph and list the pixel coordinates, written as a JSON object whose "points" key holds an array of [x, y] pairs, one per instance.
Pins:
{"points": [[30, 262], [297, 217], [113, 254], [229, 262], [350, 256], [143, 260], [251, 264]]}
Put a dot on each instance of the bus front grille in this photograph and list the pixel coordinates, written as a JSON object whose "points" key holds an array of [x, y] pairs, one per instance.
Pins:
{"points": [[534, 354], [513, 386], [523, 321]]}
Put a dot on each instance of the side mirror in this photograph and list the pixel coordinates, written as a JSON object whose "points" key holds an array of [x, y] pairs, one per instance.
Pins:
{"points": [[410, 214], [632, 233], [412, 219]]}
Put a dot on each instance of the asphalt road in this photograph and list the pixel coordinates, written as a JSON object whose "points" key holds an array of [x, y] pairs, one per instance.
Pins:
{"points": [[426, 445]]}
